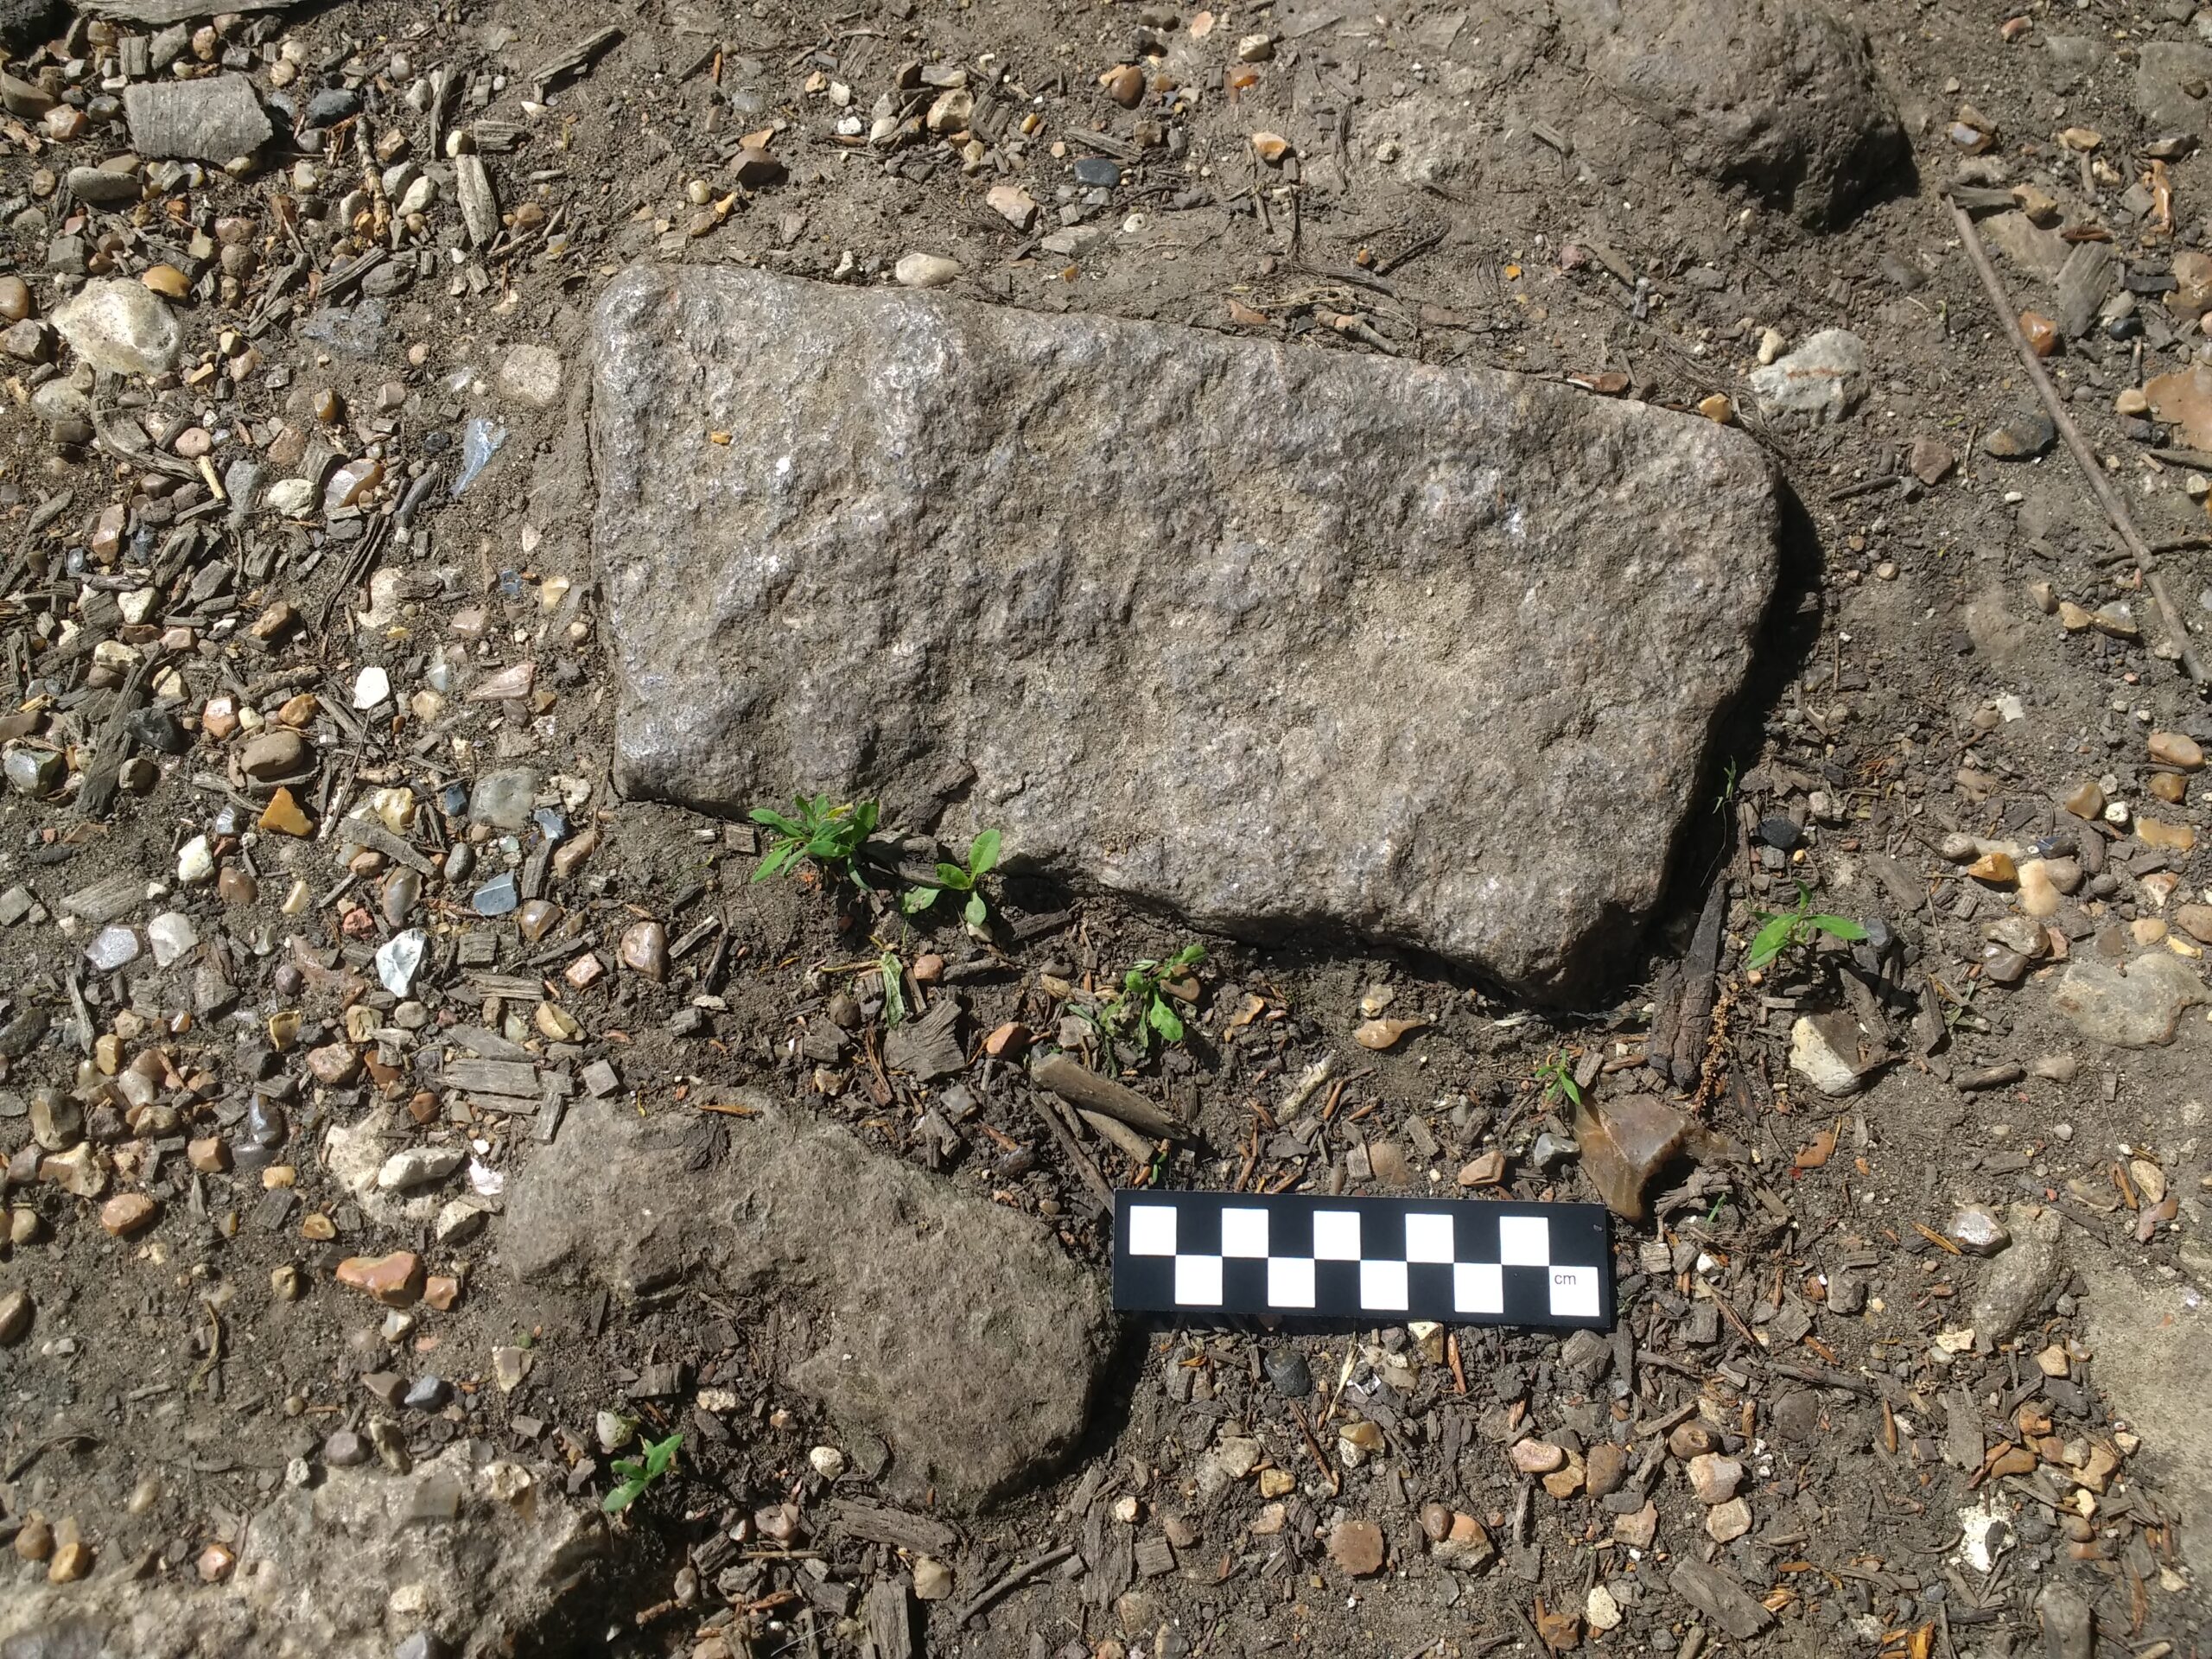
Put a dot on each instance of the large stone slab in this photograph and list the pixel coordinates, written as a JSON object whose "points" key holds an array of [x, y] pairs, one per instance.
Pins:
{"points": [[955, 1329], [489, 1559], [1274, 634]]}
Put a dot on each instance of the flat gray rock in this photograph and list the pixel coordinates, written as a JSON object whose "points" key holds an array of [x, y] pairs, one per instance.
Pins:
{"points": [[958, 1331], [1279, 636], [214, 119], [321, 1568]]}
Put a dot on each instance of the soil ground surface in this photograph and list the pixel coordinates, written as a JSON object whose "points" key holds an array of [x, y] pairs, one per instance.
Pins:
{"points": [[1911, 1338]]}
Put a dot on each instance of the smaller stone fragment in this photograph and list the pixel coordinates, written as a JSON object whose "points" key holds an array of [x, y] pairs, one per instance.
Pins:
{"points": [[2021, 437], [2138, 1005], [1728, 1522], [395, 1280], [127, 1213], [1714, 1477], [282, 815], [924, 271], [1825, 377], [1357, 1548], [532, 375], [1625, 1140], [216, 118], [120, 326], [1976, 1232], [644, 949], [1823, 1051]]}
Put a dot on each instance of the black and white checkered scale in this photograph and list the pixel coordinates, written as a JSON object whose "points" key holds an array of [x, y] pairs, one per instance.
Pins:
{"points": [[1379, 1261]]}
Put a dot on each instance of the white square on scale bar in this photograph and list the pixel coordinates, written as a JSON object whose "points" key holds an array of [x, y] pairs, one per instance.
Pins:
{"points": [[1574, 1292], [1478, 1288], [1524, 1240], [1151, 1229], [1244, 1232], [1198, 1281], [1428, 1238], [1335, 1234]]}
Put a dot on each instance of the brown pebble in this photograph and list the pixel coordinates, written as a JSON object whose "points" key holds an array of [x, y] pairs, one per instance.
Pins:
{"points": [[2176, 749], [334, 1064], [1537, 1457], [1124, 84], [72, 1562], [1356, 1547], [644, 950], [208, 1155], [127, 1213], [1007, 1041], [35, 1542], [395, 1280], [167, 280], [442, 1291], [1691, 1440], [2041, 332], [15, 1315], [282, 815], [1604, 1469], [928, 968]]}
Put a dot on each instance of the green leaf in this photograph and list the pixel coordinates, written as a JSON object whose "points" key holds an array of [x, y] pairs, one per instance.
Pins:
{"points": [[918, 900], [1567, 1085], [1189, 957], [629, 1468], [976, 911], [777, 857], [951, 875], [660, 1454], [983, 852], [775, 820], [1165, 1020], [623, 1495], [1842, 926], [864, 817], [1769, 942]]}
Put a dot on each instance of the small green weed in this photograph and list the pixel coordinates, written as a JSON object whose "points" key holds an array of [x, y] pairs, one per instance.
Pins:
{"points": [[660, 1458], [831, 836], [1141, 1009], [1557, 1074], [1788, 929], [968, 878]]}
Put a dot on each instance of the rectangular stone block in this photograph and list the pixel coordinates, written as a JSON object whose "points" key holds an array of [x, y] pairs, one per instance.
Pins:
{"points": [[1280, 636]]}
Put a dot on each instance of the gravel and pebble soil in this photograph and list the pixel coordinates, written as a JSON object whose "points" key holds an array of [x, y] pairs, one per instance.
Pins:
{"points": [[377, 1086]]}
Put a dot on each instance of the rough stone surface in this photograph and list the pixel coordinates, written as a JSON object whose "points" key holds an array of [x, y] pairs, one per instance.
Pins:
{"points": [[215, 119], [2138, 1006], [1428, 655], [120, 325], [2016, 1281], [337, 1571], [2151, 1340], [1779, 97], [2166, 71], [954, 1329], [1824, 378]]}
